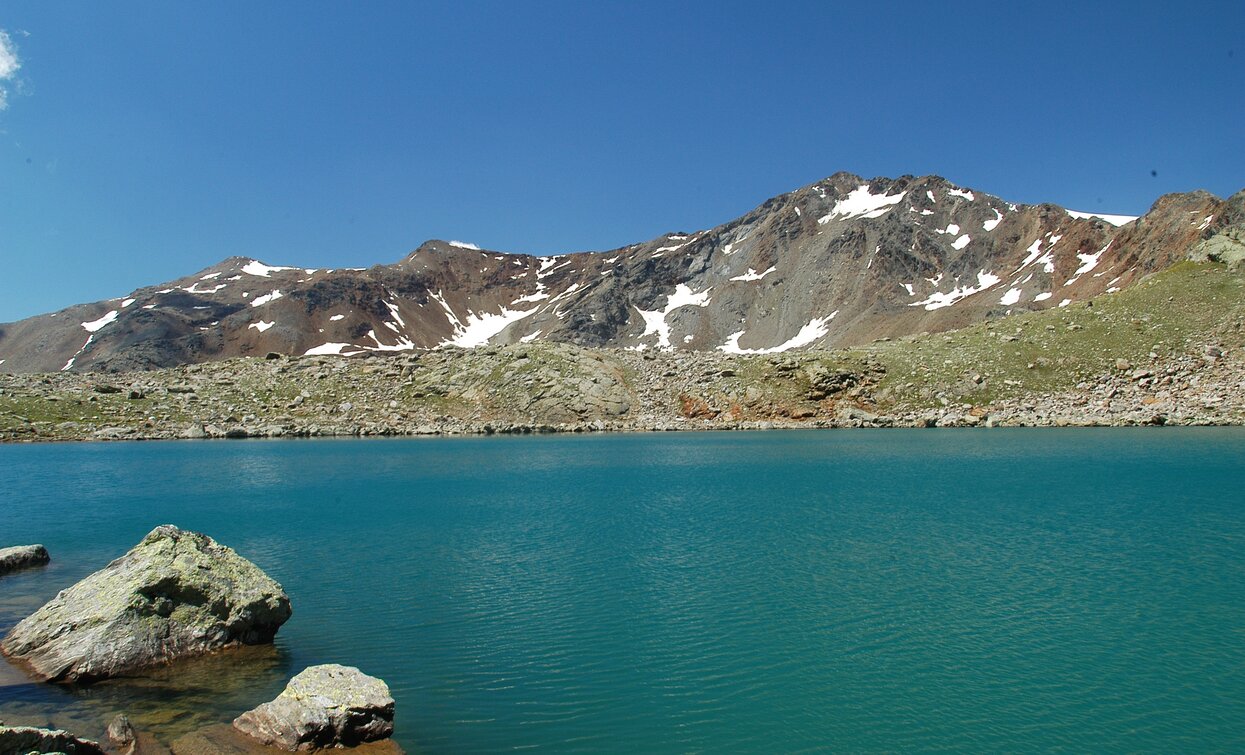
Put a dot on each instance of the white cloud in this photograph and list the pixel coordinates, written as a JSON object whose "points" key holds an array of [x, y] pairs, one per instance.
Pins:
{"points": [[8, 66]]}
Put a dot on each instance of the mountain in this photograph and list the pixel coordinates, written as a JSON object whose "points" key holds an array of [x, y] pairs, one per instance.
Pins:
{"points": [[841, 262]]}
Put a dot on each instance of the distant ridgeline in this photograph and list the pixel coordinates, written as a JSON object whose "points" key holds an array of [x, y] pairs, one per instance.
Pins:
{"points": [[838, 263]]}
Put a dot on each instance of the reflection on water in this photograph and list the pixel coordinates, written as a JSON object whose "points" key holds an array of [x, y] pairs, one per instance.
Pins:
{"points": [[167, 701]]}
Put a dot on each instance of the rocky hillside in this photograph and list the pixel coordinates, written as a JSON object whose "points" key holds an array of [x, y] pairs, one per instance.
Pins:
{"points": [[1169, 350], [839, 263]]}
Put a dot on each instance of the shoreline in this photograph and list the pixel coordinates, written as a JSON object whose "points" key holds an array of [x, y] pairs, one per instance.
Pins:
{"points": [[591, 392]]}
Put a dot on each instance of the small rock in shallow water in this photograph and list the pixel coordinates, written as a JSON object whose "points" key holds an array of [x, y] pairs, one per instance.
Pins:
{"points": [[175, 594], [21, 557], [120, 731], [323, 706]]}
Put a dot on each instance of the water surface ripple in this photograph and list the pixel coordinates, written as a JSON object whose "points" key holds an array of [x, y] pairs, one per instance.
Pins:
{"points": [[993, 590]]}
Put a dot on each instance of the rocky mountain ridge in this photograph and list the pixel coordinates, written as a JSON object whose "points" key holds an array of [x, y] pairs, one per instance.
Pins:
{"points": [[838, 263]]}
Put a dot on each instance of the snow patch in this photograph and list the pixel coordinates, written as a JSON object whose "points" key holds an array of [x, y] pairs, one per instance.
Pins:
{"points": [[861, 202], [951, 230], [1065, 302], [328, 348], [753, 275], [127, 303], [546, 265], [990, 225], [464, 245], [1115, 220], [938, 300], [1011, 297], [261, 326], [961, 193], [255, 267], [193, 288], [478, 328], [663, 249], [1206, 222], [816, 328], [961, 242], [1088, 262], [539, 295], [908, 287], [95, 325], [262, 300], [1042, 296], [403, 344], [655, 321], [397, 316], [1035, 255], [335, 318]]}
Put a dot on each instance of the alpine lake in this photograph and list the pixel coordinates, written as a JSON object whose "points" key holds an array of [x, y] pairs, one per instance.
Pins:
{"points": [[891, 590]]}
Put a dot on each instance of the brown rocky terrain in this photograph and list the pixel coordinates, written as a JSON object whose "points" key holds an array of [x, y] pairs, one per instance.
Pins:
{"points": [[836, 264], [1170, 350]]}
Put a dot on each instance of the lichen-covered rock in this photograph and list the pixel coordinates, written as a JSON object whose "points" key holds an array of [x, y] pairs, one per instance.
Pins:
{"points": [[27, 739], [324, 706], [21, 557], [175, 594]]}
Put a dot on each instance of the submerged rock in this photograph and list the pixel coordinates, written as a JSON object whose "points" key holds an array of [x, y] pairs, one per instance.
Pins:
{"points": [[175, 594], [27, 739], [223, 739], [121, 732], [21, 557], [323, 706]]}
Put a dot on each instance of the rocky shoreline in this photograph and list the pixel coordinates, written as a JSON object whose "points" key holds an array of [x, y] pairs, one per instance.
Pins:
{"points": [[558, 388], [175, 597]]}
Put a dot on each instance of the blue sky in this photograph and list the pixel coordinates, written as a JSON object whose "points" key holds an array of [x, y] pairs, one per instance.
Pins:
{"points": [[142, 141]]}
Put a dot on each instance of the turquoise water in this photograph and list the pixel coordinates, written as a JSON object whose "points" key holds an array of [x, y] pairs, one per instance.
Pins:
{"points": [[852, 591]]}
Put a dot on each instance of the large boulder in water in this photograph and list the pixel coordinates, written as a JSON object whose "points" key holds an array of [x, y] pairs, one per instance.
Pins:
{"points": [[21, 557], [175, 594], [324, 706]]}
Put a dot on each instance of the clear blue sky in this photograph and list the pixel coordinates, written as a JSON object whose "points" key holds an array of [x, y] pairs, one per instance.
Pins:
{"points": [[141, 141]]}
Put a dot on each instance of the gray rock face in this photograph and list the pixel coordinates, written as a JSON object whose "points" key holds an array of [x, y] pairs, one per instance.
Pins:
{"points": [[324, 706], [21, 557], [175, 594], [26, 739]]}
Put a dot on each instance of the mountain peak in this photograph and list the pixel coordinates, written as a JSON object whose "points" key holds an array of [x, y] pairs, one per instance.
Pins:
{"points": [[839, 262]]}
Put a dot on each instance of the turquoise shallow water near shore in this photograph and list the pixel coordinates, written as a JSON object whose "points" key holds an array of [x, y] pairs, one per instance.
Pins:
{"points": [[891, 590]]}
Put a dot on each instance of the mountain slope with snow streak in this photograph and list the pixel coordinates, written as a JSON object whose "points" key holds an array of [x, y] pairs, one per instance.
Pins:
{"points": [[840, 262]]}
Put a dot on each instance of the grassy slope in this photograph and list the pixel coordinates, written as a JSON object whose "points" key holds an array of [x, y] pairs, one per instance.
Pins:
{"points": [[1171, 313]]}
